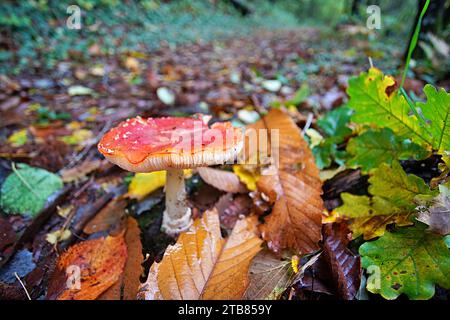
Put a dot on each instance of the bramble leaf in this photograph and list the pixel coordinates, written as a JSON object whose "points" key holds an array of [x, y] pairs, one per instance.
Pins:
{"points": [[410, 260]]}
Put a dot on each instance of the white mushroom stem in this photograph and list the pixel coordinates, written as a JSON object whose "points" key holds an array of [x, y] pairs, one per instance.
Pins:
{"points": [[177, 216]]}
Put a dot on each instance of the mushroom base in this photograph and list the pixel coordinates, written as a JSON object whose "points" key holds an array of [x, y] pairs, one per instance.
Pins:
{"points": [[177, 216]]}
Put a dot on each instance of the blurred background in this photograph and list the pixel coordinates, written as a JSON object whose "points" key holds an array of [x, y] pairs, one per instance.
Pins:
{"points": [[34, 33]]}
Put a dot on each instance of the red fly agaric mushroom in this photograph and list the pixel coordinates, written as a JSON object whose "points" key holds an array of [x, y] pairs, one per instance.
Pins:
{"points": [[172, 144]]}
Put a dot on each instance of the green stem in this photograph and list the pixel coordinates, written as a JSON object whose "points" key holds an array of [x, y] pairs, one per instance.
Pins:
{"points": [[413, 43]]}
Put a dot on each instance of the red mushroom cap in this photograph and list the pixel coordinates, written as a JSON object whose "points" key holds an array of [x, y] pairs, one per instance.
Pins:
{"points": [[144, 145]]}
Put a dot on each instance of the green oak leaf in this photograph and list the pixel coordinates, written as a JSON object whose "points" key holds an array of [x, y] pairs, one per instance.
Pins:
{"points": [[410, 261], [374, 147], [437, 111], [373, 104], [26, 190], [392, 200]]}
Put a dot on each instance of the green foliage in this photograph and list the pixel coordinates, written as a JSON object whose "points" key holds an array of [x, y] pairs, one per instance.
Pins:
{"points": [[26, 190], [374, 101], [410, 260], [437, 111], [374, 147], [392, 195], [45, 115], [334, 125]]}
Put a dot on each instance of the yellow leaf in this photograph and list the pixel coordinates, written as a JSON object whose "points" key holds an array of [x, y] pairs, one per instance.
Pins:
{"points": [[247, 177], [18, 138], [143, 184], [57, 236], [78, 137]]}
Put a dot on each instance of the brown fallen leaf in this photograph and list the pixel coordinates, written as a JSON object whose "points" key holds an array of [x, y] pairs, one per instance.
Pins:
{"points": [[128, 285], [204, 266], [295, 189], [223, 180], [101, 262], [269, 277], [108, 217], [232, 208], [344, 265], [80, 171]]}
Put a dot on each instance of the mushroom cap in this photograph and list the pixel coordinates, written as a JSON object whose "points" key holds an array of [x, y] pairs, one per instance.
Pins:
{"points": [[145, 145]]}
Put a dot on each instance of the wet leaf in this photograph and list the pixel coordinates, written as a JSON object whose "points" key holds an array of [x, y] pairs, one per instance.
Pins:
{"points": [[410, 261], [207, 265]]}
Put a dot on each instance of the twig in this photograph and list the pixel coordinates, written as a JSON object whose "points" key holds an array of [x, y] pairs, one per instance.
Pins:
{"points": [[23, 286], [14, 169]]}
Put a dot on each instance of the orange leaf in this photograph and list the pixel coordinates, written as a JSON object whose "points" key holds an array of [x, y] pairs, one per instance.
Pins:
{"points": [[222, 180], [203, 265], [295, 188], [128, 285], [100, 262]]}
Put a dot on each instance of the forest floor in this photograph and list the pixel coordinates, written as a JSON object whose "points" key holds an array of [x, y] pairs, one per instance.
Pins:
{"points": [[54, 120]]}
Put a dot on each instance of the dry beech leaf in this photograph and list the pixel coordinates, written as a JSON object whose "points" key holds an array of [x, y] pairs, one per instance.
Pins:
{"points": [[269, 277], [204, 266], [344, 265], [294, 188], [222, 180], [128, 285], [101, 262]]}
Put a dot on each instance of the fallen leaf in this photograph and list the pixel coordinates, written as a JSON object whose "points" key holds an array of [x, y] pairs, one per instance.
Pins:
{"points": [[231, 208], [80, 171], [80, 91], [100, 262], [437, 217], [207, 266], [26, 190], [409, 261], [345, 266], [143, 184], [271, 85], [58, 236], [165, 95], [393, 193], [294, 188], [269, 277], [18, 138], [108, 217], [222, 180], [247, 177], [128, 285]]}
